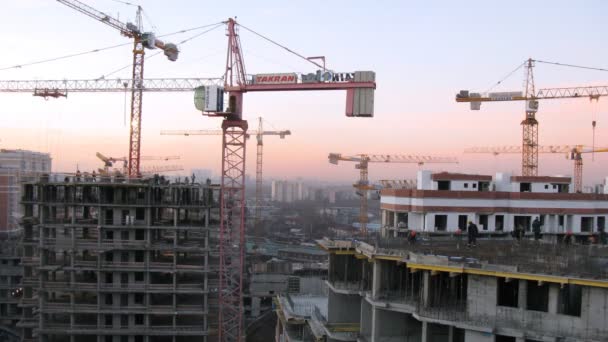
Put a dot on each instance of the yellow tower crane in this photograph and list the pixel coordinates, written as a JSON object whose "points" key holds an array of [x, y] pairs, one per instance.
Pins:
{"points": [[529, 147], [363, 185], [145, 170]]}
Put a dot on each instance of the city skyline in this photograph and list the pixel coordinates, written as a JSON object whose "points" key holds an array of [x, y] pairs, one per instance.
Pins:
{"points": [[418, 52]]}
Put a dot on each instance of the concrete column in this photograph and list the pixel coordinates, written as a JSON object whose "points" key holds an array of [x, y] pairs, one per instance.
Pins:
{"points": [[429, 222], [450, 333], [255, 306], [491, 223], [377, 272], [522, 294], [553, 298], [509, 223], [383, 216], [426, 280], [425, 332], [375, 335]]}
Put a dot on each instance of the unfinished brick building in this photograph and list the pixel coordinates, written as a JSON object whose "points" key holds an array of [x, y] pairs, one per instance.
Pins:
{"points": [[107, 259]]}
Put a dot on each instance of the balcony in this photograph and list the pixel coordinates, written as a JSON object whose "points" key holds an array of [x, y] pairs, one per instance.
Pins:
{"points": [[65, 285], [90, 329], [56, 307], [30, 261], [129, 287], [410, 300], [349, 287]]}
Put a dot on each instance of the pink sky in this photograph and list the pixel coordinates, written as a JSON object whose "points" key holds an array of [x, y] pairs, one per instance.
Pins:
{"points": [[415, 108]]}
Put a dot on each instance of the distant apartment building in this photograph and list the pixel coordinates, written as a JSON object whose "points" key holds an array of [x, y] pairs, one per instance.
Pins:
{"points": [[288, 191], [17, 166], [446, 202]]}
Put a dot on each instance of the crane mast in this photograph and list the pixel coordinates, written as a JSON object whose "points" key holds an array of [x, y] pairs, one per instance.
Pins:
{"points": [[359, 87], [258, 174], [529, 156], [141, 41]]}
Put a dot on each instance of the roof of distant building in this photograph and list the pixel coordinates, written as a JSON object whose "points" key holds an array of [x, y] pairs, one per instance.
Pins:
{"points": [[541, 179], [460, 176]]}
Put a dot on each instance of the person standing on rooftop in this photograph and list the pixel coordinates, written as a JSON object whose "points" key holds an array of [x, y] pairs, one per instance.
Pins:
{"points": [[472, 234]]}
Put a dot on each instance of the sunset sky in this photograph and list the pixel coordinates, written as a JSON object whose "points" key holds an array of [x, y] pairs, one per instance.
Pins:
{"points": [[423, 53]]}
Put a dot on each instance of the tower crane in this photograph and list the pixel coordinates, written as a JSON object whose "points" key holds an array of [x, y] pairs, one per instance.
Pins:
{"points": [[141, 41], [363, 185], [529, 146], [572, 152], [109, 162], [260, 133], [359, 87]]}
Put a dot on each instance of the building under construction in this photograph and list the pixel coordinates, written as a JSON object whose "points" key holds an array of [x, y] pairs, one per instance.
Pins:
{"points": [[10, 280], [440, 290], [109, 259]]}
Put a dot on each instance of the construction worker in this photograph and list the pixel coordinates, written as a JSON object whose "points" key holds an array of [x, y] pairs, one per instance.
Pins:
{"points": [[536, 229], [411, 237], [568, 237], [472, 232]]}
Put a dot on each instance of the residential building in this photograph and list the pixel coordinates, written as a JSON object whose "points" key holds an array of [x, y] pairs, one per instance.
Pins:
{"points": [[446, 202]]}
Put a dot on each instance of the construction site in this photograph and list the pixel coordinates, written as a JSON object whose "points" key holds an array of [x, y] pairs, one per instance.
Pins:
{"points": [[457, 251], [109, 260], [389, 290]]}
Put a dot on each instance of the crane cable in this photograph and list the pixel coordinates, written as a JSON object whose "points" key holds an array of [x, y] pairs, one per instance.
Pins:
{"points": [[505, 77], [158, 52], [52, 59], [571, 65], [544, 62], [592, 99], [283, 47]]}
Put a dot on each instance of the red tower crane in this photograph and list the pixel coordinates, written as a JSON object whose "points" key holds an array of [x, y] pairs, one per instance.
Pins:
{"points": [[529, 146], [141, 41], [359, 86], [363, 185], [572, 152], [259, 134]]}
